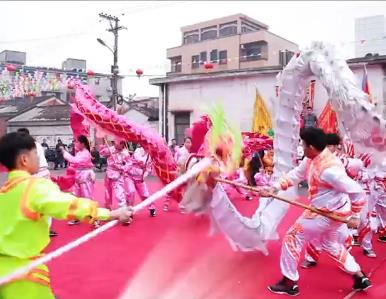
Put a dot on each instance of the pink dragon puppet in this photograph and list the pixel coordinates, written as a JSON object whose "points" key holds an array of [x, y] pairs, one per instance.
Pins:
{"points": [[111, 123]]}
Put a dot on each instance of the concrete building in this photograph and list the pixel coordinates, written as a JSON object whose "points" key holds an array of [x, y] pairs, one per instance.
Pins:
{"points": [[370, 36], [77, 65], [229, 43], [184, 98], [14, 57]]}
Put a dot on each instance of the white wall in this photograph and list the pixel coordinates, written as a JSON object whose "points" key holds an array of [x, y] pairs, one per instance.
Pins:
{"points": [[50, 133], [237, 95]]}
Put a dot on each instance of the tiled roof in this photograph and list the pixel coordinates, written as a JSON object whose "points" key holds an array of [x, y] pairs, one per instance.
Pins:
{"points": [[17, 105], [45, 113], [151, 112]]}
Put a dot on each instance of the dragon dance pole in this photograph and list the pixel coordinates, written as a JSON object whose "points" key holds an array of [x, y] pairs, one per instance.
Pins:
{"points": [[292, 202], [194, 171]]}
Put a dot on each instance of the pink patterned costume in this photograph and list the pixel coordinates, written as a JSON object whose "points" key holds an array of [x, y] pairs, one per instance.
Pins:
{"points": [[263, 179], [115, 187], [140, 167], [84, 176]]}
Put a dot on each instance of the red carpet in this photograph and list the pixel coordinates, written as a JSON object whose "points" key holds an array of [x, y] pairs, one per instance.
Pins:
{"points": [[172, 257]]}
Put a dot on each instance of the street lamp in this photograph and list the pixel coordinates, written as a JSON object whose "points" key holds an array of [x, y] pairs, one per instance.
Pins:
{"points": [[101, 41], [114, 71]]}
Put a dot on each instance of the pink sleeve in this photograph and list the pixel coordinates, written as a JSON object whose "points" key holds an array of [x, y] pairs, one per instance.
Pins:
{"points": [[80, 158], [104, 151]]}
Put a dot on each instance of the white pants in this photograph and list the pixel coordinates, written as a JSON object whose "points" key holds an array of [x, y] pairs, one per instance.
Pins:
{"points": [[307, 228], [367, 225], [315, 247]]}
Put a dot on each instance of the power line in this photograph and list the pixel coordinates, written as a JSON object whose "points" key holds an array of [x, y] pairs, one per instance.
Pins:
{"points": [[65, 35]]}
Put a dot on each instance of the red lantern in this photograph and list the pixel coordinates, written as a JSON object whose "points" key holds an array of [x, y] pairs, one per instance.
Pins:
{"points": [[208, 65], [11, 68], [139, 72], [90, 73]]}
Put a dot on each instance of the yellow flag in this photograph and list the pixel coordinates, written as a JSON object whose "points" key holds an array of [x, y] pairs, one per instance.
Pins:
{"points": [[261, 122]]}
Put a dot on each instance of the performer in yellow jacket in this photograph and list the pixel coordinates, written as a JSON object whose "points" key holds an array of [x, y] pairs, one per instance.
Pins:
{"points": [[26, 203]]}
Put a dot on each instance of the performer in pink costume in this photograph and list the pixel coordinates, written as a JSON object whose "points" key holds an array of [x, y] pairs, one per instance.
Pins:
{"points": [[117, 158], [137, 169], [264, 179], [84, 169], [331, 190]]}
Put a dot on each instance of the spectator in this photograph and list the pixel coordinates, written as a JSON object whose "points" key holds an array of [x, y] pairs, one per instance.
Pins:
{"points": [[182, 154], [60, 162], [254, 166], [310, 119], [173, 146], [45, 145]]}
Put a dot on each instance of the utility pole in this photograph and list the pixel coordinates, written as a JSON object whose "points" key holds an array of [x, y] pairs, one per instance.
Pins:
{"points": [[114, 28]]}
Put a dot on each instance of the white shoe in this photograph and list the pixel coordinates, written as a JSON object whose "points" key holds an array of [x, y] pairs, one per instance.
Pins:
{"points": [[73, 222], [97, 224], [369, 253]]}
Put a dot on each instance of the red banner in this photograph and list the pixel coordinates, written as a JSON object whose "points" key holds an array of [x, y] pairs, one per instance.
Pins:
{"points": [[327, 119]]}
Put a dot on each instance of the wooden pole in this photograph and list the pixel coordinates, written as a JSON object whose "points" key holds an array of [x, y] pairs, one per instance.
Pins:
{"points": [[292, 202], [108, 147]]}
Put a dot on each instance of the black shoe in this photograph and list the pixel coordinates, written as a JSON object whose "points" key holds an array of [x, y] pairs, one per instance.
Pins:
{"points": [[285, 287], [73, 222], [369, 253], [152, 213], [355, 241], [361, 283], [382, 239], [308, 264], [53, 233]]}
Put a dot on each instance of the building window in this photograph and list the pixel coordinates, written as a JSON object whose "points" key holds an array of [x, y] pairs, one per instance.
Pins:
{"points": [[176, 63], [249, 27], [209, 33], [195, 62], [284, 57], [214, 56], [223, 57], [251, 51], [191, 37], [181, 123], [228, 29], [245, 29], [203, 57]]}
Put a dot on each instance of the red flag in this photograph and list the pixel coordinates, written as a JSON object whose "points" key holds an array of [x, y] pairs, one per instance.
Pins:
{"points": [[366, 83], [327, 119], [78, 123]]}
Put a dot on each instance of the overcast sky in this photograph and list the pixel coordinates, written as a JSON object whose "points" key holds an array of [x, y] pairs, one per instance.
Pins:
{"points": [[51, 31]]}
